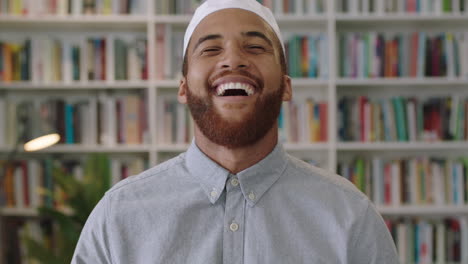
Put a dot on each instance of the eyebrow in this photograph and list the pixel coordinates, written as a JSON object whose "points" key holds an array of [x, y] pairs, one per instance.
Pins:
{"points": [[205, 38]]}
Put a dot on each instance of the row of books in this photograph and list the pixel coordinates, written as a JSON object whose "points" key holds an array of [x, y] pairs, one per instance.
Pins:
{"points": [[131, 59], [295, 7], [279, 7], [402, 119], [125, 57], [411, 181], [175, 124], [427, 241], [72, 119], [307, 55], [122, 119], [110, 119], [402, 6], [303, 120], [106, 119], [72, 7], [45, 59], [29, 183], [165, 7], [416, 54], [169, 47]]}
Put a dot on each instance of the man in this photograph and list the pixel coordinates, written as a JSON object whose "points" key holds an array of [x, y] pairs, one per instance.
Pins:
{"points": [[235, 196]]}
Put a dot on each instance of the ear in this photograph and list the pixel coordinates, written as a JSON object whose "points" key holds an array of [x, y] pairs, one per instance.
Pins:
{"points": [[287, 93], [182, 93]]}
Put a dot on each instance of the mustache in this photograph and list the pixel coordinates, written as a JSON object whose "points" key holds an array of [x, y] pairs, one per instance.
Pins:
{"points": [[240, 72]]}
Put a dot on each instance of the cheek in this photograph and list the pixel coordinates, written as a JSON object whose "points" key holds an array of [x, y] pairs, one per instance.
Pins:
{"points": [[272, 74], [197, 79]]}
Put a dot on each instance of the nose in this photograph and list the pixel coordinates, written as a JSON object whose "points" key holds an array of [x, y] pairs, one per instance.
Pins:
{"points": [[234, 59]]}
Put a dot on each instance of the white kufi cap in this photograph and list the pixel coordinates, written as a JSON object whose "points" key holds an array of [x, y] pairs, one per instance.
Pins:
{"points": [[211, 6]]}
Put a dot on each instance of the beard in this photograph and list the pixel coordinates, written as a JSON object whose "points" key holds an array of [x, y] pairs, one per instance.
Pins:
{"points": [[235, 134]]}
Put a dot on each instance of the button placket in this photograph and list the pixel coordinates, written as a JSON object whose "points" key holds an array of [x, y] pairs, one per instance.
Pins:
{"points": [[233, 237]]}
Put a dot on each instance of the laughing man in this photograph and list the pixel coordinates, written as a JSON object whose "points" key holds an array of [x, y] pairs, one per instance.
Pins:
{"points": [[235, 196]]}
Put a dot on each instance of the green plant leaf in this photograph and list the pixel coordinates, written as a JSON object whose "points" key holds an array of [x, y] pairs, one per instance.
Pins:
{"points": [[41, 253], [81, 198]]}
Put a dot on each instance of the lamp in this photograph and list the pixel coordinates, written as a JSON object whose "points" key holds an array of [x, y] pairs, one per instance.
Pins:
{"points": [[36, 132]]}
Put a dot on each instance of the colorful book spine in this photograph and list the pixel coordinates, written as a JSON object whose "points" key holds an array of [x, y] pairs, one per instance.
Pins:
{"points": [[303, 121], [409, 181], [425, 240], [417, 55], [307, 56], [413, 7], [402, 119]]}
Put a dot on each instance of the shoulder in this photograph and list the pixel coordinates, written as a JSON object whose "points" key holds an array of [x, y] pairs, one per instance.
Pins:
{"points": [[322, 181], [163, 173]]}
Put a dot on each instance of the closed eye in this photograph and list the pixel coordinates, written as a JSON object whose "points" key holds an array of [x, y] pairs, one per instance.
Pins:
{"points": [[256, 48], [210, 50]]}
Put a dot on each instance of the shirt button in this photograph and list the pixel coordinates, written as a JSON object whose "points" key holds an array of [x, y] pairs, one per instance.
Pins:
{"points": [[213, 193], [251, 196], [234, 227], [234, 182]]}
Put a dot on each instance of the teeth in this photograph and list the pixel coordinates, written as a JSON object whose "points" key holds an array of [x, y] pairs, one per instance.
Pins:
{"points": [[231, 85]]}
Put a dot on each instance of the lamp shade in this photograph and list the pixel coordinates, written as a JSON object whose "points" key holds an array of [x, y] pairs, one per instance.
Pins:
{"points": [[41, 142], [35, 127]]}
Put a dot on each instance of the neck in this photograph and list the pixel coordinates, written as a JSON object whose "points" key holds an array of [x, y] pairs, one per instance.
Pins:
{"points": [[237, 159]]}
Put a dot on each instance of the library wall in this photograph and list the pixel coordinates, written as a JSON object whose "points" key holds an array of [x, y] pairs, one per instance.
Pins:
{"points": [[380, 97]]}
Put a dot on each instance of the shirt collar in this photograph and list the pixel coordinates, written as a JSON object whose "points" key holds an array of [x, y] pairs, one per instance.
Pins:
{"points": [[254, 181], [211, 176]]}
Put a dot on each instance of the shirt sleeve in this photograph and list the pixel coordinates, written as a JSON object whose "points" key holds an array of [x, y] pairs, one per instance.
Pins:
{"points": [[94, 245], [371, 241]]}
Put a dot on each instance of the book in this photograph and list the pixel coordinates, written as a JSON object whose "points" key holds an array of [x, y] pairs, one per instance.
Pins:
{"points": [[132, 119], [3, 121]]}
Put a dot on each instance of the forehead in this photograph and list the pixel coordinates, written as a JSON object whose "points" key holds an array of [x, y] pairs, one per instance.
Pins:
{"points": [[231, 21]]}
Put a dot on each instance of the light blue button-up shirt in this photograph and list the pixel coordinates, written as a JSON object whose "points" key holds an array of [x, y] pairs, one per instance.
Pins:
{"points": [[191, 210]]}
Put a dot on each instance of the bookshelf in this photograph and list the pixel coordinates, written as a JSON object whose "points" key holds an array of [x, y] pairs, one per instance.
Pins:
{"points": [[327, 18]]}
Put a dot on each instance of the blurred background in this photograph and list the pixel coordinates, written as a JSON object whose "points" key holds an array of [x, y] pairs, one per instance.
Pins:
{"points": [[380, 97]]}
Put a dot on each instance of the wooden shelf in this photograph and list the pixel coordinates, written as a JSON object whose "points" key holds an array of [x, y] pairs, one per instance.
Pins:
{"points": [[309, 82], [181, 20], [82, 149], [167, 83], [306, 146], [401, 21], [172, 147], [413, 82], [19, 212], [90, 22], [402, 146], [424, 210], [91, 85], [403, 17]]}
